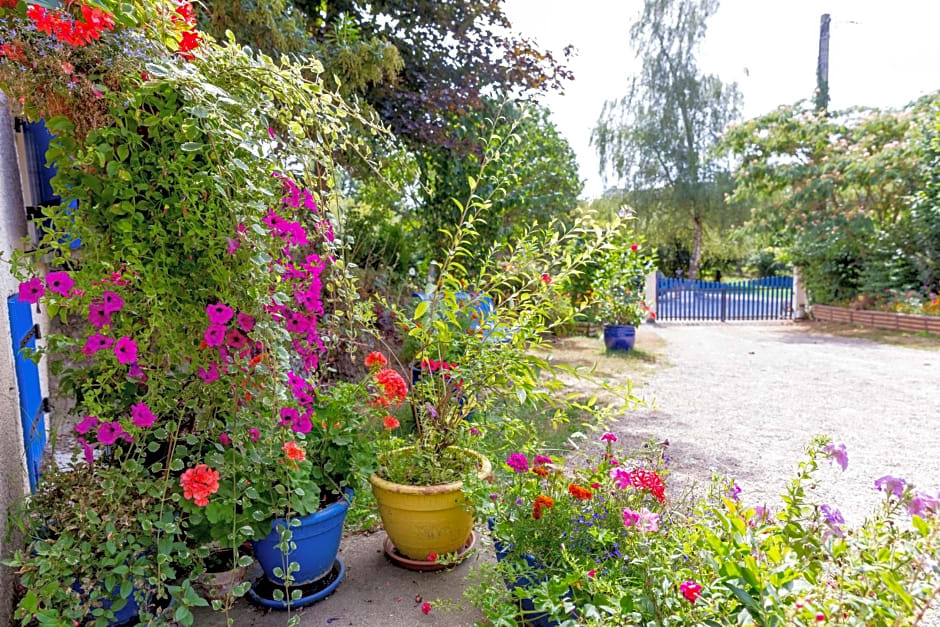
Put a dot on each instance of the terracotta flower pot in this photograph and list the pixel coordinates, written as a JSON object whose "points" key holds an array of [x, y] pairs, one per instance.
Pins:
{"points": [[426, 519]]}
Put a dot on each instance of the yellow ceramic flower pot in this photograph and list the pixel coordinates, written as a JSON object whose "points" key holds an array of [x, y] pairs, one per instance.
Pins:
{"points": [[426, 519]]}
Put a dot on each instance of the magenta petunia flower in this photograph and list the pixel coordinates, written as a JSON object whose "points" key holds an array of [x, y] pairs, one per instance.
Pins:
{"points": [[215, 334], [97, 315], [87, 450], [922, 503], [142, 416], [289, 416], [95, 343], [111, 302], [134, 371], [231, 245], [630, 517], [219, 313], [838, 454], [296, 382], [109, 432], [297, 322], [245, 322], [225, 440], [302, 424], [31, 291], [236, 339], [210, 375], [254, 434], [87, 424], [621, 478], [59, 282], [833, 519], [518, 462], [891, 484], [126, 350]]}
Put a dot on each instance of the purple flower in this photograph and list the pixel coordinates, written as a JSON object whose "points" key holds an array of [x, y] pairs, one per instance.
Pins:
{"points": [[254, 434], [648, 522], [214, 335], [87, 424], [474, 431], [141, 415], [289, 416], [302, 424], [109, 432], [838, 454], [59, 282], [219, 313], [608, 437], [518, 462], [135, 371], [97, 315], [833, 519], [126, 350], [236, 339], [541, 460], [231, 245], [494, 496], [431, 410], [95, 343], [111, 302], [630, 517], [87, 450], [923, 503], [210, 375], [245, 322], [891, 484], [31, 291], [225, 440], [734, 491]]}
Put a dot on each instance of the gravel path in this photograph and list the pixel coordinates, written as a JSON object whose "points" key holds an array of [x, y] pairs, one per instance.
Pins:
{"points": [[744, 400]]}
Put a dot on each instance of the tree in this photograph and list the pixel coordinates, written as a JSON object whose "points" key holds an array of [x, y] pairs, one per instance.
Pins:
{"points": [[659, 136], [447, 53]]}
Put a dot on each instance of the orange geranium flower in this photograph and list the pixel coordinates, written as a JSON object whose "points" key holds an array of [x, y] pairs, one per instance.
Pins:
{"points": [[582, 494], [293, 451], [541, 501], [375, 358]]}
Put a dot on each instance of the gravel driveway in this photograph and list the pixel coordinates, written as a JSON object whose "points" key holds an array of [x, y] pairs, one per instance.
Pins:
{"points": [[744, 400]]}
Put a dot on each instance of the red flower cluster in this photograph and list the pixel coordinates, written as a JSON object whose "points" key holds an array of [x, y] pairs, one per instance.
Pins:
{"points": [[76, 33], [432, 365], [648, 480], [12, 52], [189, 37], [540, 471], [393, 387], [8, 4], [541, 501], [390, 422], [375, 358], [198, 483], [582, 494], [293, 452], [690, 590]]}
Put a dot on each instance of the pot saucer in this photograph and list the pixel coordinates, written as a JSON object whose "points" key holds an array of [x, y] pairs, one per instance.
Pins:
{"points": [[262, 590], [423, 565]]}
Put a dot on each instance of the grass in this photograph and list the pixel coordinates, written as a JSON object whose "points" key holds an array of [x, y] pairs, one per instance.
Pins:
{"points": [[911, 339]]}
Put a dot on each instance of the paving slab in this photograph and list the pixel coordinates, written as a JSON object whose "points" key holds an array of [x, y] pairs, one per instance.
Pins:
{"points": [[374, 593]]}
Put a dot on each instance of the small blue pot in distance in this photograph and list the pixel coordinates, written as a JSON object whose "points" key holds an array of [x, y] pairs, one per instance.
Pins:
{"points": [[619, 337]]}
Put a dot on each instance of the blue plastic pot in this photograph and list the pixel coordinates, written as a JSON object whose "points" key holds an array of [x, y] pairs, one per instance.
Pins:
{"points": [[619, 337], [529, 612], [316, 538], [123, 616]]}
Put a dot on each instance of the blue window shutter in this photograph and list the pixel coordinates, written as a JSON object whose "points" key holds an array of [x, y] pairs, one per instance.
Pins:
{"points": [[32, 406]]}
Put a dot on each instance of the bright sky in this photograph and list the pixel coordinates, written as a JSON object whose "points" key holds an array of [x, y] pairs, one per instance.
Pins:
{"points": [[880, 54]]}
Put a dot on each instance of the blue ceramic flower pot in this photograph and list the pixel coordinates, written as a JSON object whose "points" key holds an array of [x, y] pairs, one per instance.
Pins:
{"points": [[122, 616], [316, 538], [528, 607], [619, 337]]}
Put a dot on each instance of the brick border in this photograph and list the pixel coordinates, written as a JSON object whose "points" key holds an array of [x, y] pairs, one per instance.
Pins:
{"points": [[877, 319]]}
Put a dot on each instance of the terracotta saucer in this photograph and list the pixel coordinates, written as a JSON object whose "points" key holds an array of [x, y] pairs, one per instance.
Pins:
{"points": [[423, 565]]}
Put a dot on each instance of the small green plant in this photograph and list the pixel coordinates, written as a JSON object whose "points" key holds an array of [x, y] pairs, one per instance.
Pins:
{"points": [[619, 281]]}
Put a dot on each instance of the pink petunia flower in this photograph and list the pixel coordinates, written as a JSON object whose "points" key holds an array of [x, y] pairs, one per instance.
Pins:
{"points": [[95, 343], [87, 450], [31, 291], [97, 315], [111, 302], [125, 349], [219, 313], [210, 375], [109, 432], [59, 282], [225, 440], [215, 334], [87, 424], [254, 434], [142, 416], [245, 322]]}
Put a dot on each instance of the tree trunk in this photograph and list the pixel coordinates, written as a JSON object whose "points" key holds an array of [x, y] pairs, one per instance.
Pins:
{"points": [[696, 248]]}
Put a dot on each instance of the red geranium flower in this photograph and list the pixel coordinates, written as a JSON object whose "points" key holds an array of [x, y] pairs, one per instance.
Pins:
{"points": [[293, 451], [375, 358], [198, 483], [391, 422]]}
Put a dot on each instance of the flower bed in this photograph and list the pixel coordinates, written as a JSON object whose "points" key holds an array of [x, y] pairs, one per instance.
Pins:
{"points": [[877, 319]]}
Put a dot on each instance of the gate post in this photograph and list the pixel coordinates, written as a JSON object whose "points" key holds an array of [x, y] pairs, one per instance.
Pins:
{"points": [[799, 295], [724, 303], [649, 292]]}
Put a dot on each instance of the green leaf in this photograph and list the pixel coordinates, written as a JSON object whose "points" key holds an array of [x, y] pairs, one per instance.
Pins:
{"points": [[191, 146], [921, 525], [421, 309]]}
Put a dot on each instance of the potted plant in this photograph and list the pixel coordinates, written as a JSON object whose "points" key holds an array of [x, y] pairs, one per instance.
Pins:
{"points": [[202, 286], [617, 285], [475, 338]]}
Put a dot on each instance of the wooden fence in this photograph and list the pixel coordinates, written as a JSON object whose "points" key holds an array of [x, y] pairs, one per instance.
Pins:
{"points": [[877, 319]]}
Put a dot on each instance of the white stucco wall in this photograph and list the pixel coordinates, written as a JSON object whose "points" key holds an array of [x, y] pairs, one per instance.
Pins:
{"points": [[13, 477]]}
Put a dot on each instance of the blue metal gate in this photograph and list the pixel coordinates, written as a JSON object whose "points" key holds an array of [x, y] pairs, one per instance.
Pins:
{"points": [[32, 406], [768, 298]]}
